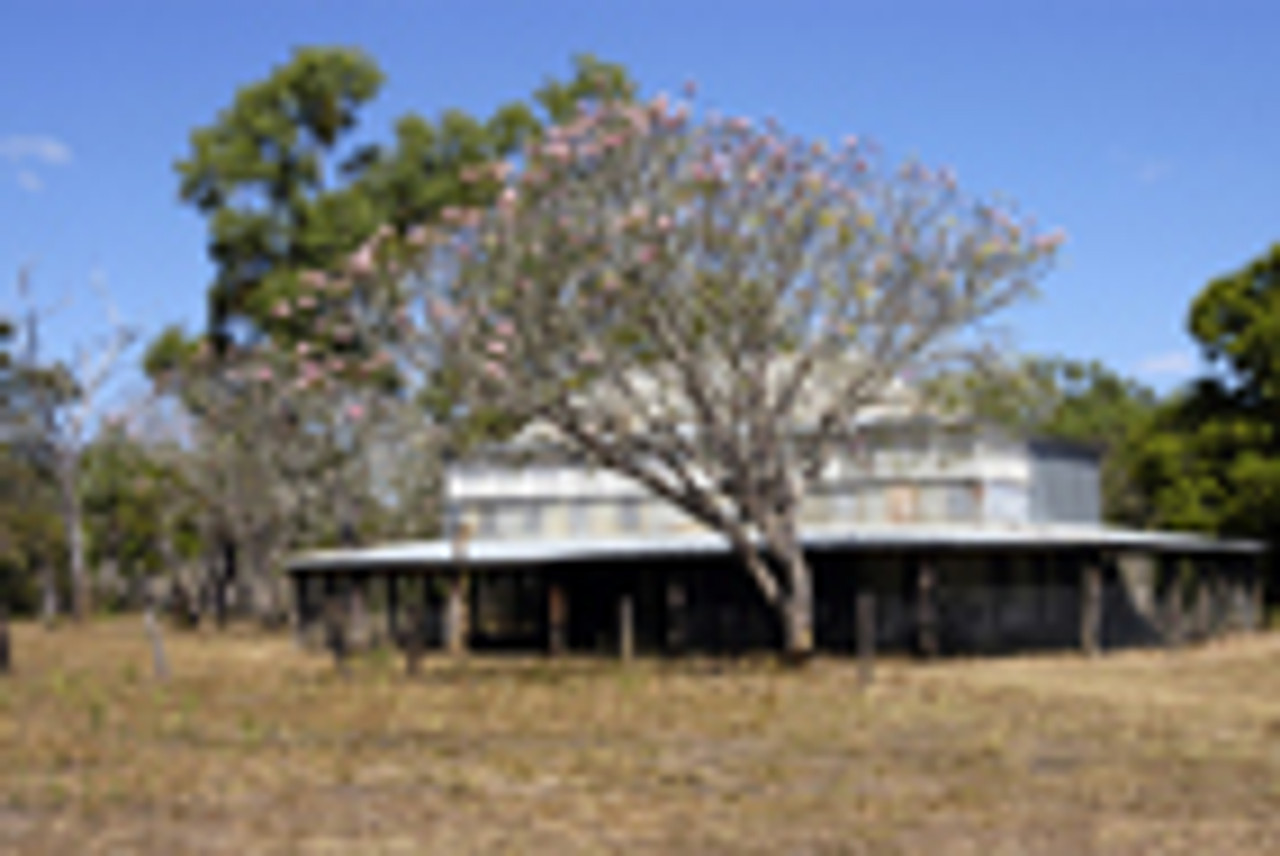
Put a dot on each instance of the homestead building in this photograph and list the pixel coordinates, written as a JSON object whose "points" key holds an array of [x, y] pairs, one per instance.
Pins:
{"points": [[939, 537]]}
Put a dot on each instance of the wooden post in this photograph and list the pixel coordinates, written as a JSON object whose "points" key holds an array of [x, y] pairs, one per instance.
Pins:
{"points": [[557, 618], [300, 609], [866, 635], [358, 603], [1091, 607], [926, 610], [159, 662], [6, 663], [414, 641], [1177, 603], [393, 607], [676, 605], [626, 628], [1203, 606], [335, 620]]}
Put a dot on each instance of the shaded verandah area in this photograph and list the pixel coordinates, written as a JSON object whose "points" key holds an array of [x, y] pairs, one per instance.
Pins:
{"points": [[930, 596]]}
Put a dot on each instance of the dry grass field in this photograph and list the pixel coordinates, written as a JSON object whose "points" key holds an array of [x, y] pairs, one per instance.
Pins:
{"points": [[255, 747]]}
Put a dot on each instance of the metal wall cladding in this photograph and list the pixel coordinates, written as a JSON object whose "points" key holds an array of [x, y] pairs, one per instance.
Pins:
{"points": [[1066, 483]]}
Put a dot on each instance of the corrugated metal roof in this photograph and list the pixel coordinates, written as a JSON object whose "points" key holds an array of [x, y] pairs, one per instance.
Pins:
{"points": [[480, 553]]}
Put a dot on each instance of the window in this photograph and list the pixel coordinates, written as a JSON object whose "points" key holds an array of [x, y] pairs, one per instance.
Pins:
{"points": [[532, 518], [486, 520], [933, 502], [579, 518], [873, 504], [843, 506], [629, 515], [962, 503]]}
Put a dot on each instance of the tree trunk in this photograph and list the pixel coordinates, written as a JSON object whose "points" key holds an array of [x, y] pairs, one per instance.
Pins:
{"points": [[797, 605], [81, 597], [223, 580], [49, 596]]}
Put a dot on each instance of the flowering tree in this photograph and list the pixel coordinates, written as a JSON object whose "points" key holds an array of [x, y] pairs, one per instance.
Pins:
{"points": [[704, 305]]}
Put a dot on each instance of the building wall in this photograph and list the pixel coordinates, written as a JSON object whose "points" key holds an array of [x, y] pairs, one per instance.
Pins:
{"points": [[883, 477]]}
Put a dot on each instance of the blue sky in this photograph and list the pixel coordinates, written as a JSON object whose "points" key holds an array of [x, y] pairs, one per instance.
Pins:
{"points": [[1147, 129]]}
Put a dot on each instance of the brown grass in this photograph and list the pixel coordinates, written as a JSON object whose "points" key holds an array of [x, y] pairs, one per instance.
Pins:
{"points": [[255, 747]]}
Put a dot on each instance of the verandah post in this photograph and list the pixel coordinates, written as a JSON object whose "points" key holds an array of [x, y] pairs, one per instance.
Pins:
{"points": [[626, 628], [557, 618], [393, 607], [866, 632], [1091, 606], [926, 609]]}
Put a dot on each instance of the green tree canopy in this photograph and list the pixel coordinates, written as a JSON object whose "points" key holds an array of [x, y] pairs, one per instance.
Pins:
{"points": [[1214, 463], [285, 189]]}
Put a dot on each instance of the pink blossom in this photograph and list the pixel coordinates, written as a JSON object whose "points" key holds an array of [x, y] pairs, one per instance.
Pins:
{"points": [[508, 197], [494, 370], [1051, 241], [590, 355], [663, 223], [361, 262], [496, 347], [306, 301], [418, 236], [263, 374], [440, 311], [314, 279], [647, 254], [505, 328], [355, 412], [638, 119], [556, 151], [302, 349], [282, 309]]}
